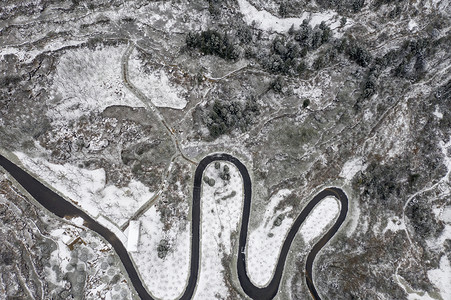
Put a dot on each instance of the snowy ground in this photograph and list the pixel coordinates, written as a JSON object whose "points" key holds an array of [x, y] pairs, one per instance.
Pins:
{"points": [[88, 189], [166, 278], [352, 167], [88, 80], [266, 240], [156, 85], [266, 21], [394, 224], [220, 218]]}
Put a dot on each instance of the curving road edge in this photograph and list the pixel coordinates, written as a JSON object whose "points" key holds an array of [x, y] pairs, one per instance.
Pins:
{"points": [[62, 208]]}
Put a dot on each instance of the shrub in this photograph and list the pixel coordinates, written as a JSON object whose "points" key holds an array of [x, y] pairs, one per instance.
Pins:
{"points": [[277, 85], [343, 21], [285, 54], [214, 8], [357, 5], [211, 42], [244, 33], [369, 88], [224, 116], [283, 9], [301, 68], [355, 52], [312, 38], [163, 248], [326, 32], [422, 218]]}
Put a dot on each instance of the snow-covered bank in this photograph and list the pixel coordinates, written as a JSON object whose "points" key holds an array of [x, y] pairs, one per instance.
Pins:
{"points": [[88, 188], [133, 236]]}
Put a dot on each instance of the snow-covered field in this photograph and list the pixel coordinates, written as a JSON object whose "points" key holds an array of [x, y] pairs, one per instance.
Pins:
{"points": [[220, 218], [352, 167], [394, 224], [164, 277], [441, 277], [321, 216], [156, 85], [263, 250], [319, 96], [89, 189], [88, 80]]}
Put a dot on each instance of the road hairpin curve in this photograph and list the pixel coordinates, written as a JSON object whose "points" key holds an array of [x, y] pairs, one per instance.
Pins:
{"points": [[62, 208]]}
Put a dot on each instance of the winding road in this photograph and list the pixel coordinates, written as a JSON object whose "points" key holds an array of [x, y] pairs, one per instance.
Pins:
{"points": [[62, 208]]}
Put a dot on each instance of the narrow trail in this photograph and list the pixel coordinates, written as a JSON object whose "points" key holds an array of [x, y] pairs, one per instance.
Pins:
{"points": [[148, 102], [65, 209], [150, 106]]}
